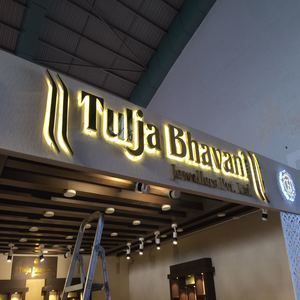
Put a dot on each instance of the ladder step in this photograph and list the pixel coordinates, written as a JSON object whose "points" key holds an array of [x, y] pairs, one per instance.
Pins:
{"points": [[97, 286], [79, 287], [74, 288]]}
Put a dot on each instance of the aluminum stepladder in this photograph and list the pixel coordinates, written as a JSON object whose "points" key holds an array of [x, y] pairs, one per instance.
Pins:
{"points": [[87, 281]]}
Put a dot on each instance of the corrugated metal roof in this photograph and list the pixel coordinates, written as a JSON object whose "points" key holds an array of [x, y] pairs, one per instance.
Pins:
{"points": [[8, 37], [107, 43], [11, 12]]}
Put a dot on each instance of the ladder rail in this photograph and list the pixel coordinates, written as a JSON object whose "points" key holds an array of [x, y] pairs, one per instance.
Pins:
{"points": [[93, 260], [105, 273], [97, 250]]}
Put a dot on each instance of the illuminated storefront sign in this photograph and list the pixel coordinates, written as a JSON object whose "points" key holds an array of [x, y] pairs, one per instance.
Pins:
{"points": [[129, 130], [287, 186]]}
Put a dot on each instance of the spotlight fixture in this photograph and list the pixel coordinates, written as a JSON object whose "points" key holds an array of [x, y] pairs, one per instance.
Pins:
{"points": [[174, 226], [264, 214], [142, 188], [173, 194], [110, 211], [166, 207], [23, 240], [70, 193], [149, 241], [41, 257], [33, 229], [69, 237], [136, 222], [68, 252], [163, 236], [10, 253], [9, 257], [221, 215], [157, 240], [42, 251], [141, 246], [128, 251], [49, 214], [88, 226], [114, 234], [179, 230]]}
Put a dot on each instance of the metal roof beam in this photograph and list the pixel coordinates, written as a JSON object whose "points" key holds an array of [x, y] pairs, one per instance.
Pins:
{"points": [[170, 5], [180, 31], [9, 25], [113, 27], [96, 43], [33, 21], [103, 69]]}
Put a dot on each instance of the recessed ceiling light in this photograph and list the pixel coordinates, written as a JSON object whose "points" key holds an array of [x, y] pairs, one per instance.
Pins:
{"points": [[33, 229], [163, 236], [166, 207], [110, 211], [114, 234], [23, 240], [69, 237], [70, 193], [148, 241], [136, 222], [81, 250], [179, 229], [49, 214], [221, 215], [88, 226]]}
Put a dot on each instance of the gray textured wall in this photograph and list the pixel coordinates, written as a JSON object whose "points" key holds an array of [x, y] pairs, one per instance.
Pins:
{"points": [[238, 78]]}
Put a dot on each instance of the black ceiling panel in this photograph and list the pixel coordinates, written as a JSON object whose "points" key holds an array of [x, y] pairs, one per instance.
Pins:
{"points": [[107, 43]]}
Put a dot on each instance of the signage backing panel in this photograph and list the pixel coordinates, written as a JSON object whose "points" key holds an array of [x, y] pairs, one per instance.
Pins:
{"points": [[50, 116]]}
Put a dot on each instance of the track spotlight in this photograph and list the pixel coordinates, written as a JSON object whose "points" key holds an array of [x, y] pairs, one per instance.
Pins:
{"points": [[9, 257], [68, 252], [264, 214], [173, 194], [142, 188], [174, 226], [141, 246], [41, 257], [10, 253], [157, 239], [128, 251]]}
